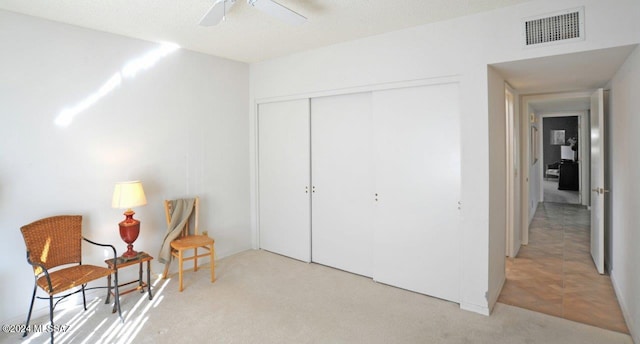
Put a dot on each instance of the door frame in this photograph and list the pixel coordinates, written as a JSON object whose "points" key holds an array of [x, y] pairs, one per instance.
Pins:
{"points": [[598, 184], [583, 166], [512, 166], [527, 119]]}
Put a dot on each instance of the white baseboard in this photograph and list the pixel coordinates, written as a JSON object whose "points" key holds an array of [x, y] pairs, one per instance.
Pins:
{"points": [[635, 332], [496, 294], [484, 310]]}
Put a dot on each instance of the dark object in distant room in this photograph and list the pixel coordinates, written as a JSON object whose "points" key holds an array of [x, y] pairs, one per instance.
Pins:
{"points": [[569, 178]]}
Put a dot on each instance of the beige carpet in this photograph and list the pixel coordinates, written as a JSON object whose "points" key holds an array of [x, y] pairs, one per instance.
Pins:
{"points": [[552, 194], [260, 297]]}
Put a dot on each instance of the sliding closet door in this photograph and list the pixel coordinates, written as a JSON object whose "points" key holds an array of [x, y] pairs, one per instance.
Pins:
{"points": [[417, 140], [284, 175], [342, 179]]}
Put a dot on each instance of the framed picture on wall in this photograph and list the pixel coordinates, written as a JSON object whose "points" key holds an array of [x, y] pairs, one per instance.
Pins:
{"points": [[557, 137], [534, 145]]}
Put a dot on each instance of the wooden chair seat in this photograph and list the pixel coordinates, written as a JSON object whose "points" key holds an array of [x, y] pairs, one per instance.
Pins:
{"points": [[191, 242]]}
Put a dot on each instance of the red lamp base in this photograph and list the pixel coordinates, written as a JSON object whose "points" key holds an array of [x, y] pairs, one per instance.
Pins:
{"points": [[129, 231]]}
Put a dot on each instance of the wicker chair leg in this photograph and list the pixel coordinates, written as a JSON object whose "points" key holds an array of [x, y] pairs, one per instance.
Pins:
{"points": [[51, 316], [33, 297], [84, 298]]}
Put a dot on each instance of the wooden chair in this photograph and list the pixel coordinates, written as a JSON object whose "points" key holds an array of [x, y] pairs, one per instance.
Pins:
{"points": [[189, 241], [54, 250]]}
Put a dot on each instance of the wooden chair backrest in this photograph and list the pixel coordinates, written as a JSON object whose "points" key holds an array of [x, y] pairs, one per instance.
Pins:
{"points": [[54, 241], [194, 217]]}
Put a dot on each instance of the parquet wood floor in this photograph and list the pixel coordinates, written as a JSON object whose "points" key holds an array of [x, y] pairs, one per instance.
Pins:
{"points": [[555, 274]]}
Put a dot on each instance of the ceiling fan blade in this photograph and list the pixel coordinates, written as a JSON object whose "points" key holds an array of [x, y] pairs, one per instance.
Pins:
{"points": [[276, 10], [216, 13]]}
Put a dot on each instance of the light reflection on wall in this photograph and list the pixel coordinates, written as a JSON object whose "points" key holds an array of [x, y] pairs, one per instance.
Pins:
{"points": [[129, 70]]}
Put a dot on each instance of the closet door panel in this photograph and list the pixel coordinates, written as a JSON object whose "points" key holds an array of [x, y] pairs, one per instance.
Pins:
{"points": [[417, 154], [284, 178], [342, 179]]}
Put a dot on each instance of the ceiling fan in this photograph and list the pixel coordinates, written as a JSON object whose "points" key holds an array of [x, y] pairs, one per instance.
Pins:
{"points": [[220, 8]]}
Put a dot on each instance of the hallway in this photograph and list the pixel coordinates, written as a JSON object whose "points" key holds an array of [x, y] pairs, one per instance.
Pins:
{"points": [[555, 274]]}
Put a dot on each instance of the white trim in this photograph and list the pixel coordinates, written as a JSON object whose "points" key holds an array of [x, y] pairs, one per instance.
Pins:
{"points": [[494, 298], [634, 332], [510, 136], [255, 168], [363, 88], [525, 149], [483, 310], [541, 166], [557, 95]]}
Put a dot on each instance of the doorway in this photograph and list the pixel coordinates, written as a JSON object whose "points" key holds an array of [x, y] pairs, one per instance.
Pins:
{"points": [[561, 158], [542, 222], [554, 273]]}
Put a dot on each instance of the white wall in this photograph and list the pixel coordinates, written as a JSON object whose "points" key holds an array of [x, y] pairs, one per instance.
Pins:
{"points": [[181, 127], [497, 183], [624, 167], [462, 47]]}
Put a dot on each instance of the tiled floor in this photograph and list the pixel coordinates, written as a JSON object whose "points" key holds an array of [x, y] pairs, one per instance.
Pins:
{"points": [[555, 274]]}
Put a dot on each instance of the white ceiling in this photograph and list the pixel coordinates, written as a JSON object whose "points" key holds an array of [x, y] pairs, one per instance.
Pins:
{"points": [[247, 34], [564, 73], [569, 72]]}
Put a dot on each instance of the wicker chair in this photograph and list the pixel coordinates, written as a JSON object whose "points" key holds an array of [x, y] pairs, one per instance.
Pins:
{"points": [[189, 241], [54, 250]]}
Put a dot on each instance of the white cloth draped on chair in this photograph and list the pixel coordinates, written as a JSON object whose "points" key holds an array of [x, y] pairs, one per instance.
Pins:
{"points": [[181, 212]]}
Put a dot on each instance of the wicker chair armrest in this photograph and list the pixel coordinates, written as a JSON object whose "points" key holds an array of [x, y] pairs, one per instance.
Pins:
{"points": [[115, 255], [44, 270], [115, 265]]}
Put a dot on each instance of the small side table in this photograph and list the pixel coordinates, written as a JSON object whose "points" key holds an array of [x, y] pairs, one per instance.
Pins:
{"points": [[124, 262]]}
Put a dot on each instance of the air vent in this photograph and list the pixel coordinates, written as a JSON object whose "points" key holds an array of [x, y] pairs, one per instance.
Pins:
{"points": [[564, 26]]}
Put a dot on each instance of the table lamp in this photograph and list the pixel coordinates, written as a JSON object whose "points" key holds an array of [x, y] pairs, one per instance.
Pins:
{"points": [[127, 195]]}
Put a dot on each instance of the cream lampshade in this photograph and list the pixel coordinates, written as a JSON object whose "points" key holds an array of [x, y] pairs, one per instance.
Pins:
{"points": [[127, 195]]}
